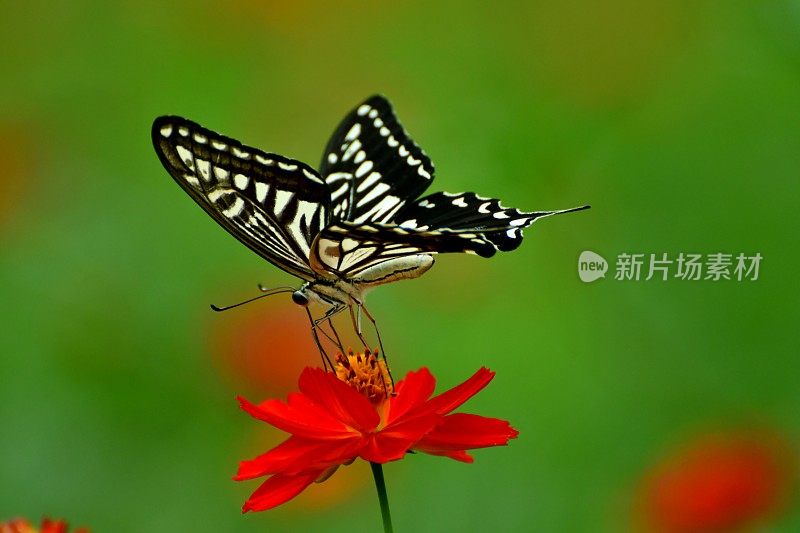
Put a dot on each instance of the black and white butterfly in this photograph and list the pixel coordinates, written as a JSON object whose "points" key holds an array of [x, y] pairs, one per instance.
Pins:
{"points": [[356, 223]]}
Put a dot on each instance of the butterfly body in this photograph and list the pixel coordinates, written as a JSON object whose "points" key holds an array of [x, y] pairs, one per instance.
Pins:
{"points": [[333, 292]]}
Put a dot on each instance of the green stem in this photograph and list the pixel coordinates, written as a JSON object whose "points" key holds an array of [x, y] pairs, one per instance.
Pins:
{"points": [[380, 484]]}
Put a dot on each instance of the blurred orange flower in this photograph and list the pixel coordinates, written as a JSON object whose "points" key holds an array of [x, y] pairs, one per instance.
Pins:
{"points": [[20, 525], [719, 482], [16, 173], [263, 349]]}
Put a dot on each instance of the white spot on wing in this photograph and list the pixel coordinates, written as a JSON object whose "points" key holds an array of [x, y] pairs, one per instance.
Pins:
{"points": [[363, 110], [337, 176], [313, 177], [261, 191], [282, 199], [367, 183], [354, 132], [204, 169], [460, 202], [166, 131], [201, 139], [235, 208], [365, 167], [360, 156], [376, 191], [216, 194], [219, 145], [373, 113], [287, 166], [353, 148], [381, 211], [221, 174], [184, 131], [332, 158], [240, 153], [305, 210], [240, 181], [186, 156], [264, 161], [338, 192], [484, 208], [500, 214]]}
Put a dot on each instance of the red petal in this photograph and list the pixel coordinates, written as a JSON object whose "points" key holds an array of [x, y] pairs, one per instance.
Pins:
{"points": [[300, 417], [412, 391], [297, 454], [278, 489], [339, 399], [463, 431], [394, 441], [449, 400], [459, 455]]}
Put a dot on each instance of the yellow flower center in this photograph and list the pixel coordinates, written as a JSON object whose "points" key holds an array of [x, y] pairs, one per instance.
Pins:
{"points": [[365, 373]]}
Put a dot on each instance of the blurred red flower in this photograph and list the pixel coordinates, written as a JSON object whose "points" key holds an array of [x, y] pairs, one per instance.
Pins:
{"points": [[20, 525], [719, 483], [338, 417], [244, 344]]}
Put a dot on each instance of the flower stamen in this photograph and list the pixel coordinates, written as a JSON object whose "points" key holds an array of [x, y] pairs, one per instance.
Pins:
{"points": [[366, 373]]}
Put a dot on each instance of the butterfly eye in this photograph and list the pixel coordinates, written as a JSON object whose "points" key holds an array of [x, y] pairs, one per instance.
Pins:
{"points": [[299, 298]]}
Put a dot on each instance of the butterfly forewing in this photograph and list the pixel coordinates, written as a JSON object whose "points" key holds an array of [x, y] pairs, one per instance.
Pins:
{"points": [[372, 166], [469, 213], [274, 205]]}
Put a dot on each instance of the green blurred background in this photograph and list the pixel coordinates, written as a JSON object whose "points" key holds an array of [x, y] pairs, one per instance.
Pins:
{"points": [[677, 121]]}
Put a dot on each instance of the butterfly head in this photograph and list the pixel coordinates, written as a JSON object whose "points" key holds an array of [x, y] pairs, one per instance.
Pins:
{"points": [[299, 297]]}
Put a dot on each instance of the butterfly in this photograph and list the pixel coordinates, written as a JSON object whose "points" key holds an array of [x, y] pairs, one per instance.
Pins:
{"points": [[357, 223]]}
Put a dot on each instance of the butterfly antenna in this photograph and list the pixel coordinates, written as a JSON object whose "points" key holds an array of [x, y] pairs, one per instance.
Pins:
{"points": [[266, 292], [570, 210]]}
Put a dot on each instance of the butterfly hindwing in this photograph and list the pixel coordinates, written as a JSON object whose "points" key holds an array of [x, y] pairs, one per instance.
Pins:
{"points": [[274, 205], [347, 248], [372, 166]]}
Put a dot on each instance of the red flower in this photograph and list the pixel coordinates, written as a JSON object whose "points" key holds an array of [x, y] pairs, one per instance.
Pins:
{"points": [[719, 483], [336, 418], [20, 525]]}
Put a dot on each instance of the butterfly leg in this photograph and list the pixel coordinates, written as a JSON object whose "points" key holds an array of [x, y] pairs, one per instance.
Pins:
{"points": [[336, 334], [357, 324], [315, 327], [326, 360], [380, 342]]}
